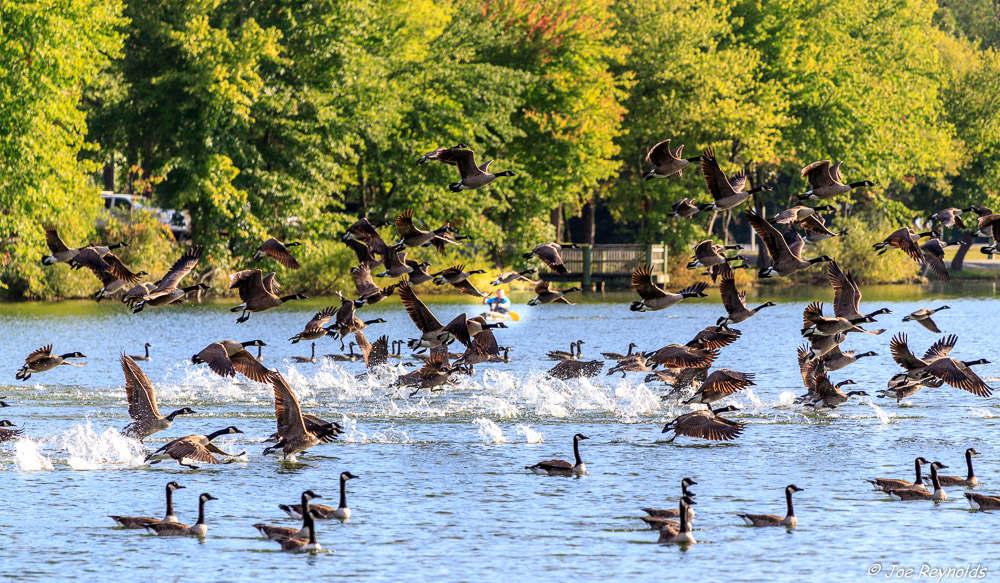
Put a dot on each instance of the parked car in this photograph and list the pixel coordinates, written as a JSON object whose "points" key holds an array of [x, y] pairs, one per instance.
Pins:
{"points": [[123, 205]]}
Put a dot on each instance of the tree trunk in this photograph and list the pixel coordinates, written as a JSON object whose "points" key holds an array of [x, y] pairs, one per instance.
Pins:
{"points": [[587, 221], [109, 176], [963, 248], [556, 216], [711, 222]]}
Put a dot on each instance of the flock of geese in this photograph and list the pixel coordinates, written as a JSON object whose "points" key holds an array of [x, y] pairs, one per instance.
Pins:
{"points": [[685, 367]]}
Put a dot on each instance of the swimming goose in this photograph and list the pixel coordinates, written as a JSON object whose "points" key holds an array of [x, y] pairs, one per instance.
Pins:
{"points": [[904, 239], [682, 533], [60, 253], [368, 292], [293, 433], [799, 213], [473, 176], [673, 512], [727, 192], [706, 424], [783, 261], [666, 162], [946, 217], [847, 298], [970, 480], [826, 181], [42, 360], [708, 254], [719, 385], [908, 494], [506, 355], [344, 357], [282, 532], [933, 254], [735, 301], [923, 317], [278, 251], [341, 512], [574, 352], [200, 529], [653, 296], [575, 369], [771, 520], [227, 357], [307, 359], [431, 376], [549, 254], [165, 291], [660, 522], [512, 276], [983, 502], [347, 322], [8, 434], [547, 295], [143, 357], [618, 356], [193, 448], [411, 236], [433, 154], [314, 329], [684, 208], [137, 522], [146, 418], [302, 543], [557, 467], [886, 484], [257, 292], [432, 332]]}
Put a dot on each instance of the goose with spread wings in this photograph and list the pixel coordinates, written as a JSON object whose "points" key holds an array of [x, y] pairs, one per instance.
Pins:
{"points": [[166, 291], [473, 176]]}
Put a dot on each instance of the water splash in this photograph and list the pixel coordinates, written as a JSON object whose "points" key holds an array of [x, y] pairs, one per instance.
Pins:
{"points": [[28, 458], [530, 435], [90, 451], [489, 432], [882, 417]]}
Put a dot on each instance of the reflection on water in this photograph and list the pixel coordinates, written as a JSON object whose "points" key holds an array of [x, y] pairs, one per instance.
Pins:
{"points": [[442, 492]]}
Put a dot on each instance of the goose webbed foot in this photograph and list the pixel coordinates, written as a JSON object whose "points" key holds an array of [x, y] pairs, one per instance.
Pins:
{"points": [[413, 393], [188, 465]]}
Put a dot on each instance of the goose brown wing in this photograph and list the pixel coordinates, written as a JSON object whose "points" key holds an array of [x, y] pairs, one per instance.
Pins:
{"points": [[732, 300], [846, 293], [715, 179], [404, 225], [902, 355], [464, 158], [660, 154], [549, 254], [812, 314], [706, 425], [276, 250], [466, 287], [91, 259], [956, 374], [245, 364], [54, 242], [714, 337], [930, 325], [217, 358], [321, 318], [459, 329], [677, 356], [269, 283], [815, 224], [554, 465], [941, 348], [138, 391], [362, 250], [642, 283], [934, 257], [286, 409], [118, 269], [487, 342], [179, 269], [421, 316], [902, 238], [818, 174], [379, 354], [363, 281], [543, 287], [41, 353], [773, 240], [727, 381], [190, 447], [806, 367], [738, 181]]}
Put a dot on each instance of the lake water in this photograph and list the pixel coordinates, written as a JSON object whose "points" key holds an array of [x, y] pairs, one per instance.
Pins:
{"points": [[442, 492]]}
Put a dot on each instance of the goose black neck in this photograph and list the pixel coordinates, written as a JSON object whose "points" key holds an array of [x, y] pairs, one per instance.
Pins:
{"points": [[289, 298], [761, 307], [576, 452], [685, 526], [788, 500], [968, 462], [173, 414], [934, 478], [310, 525], [170, 501], [919, 479], [858, 184], [215, 434], [693, 160], [201, 511], [314, 350], [305, 511], [343, 492], [755, 190], [147, 352]]}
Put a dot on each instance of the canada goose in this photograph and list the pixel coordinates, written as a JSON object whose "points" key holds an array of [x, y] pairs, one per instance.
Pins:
{"points": [[946, 217], [679, 356], [431, 376], [166, 291], [314, 329], [933, 254], [816, 324], [710, 337], [923, 317], [60, 253], [982, 502], [824, 393], [900, 389], [368, 251], [970, 480], [719, 385], [799, 213], [618, 356], [574, 352], [666, 162], [716, 270], [837, 359], [682, 533], [411, 236], [444, 239], [395, 264], [816, 230], [915, 366], [193, 448], [376, 354], [307, 359], [673, 512], [200, 529], [137, 522], [465, 286], [363, 230], [906, 240], [680, 379], [453, 275], [634, 363], [419, 273], [783, 261], [283, 532], [574, 369], [478, 324], [227, 357], [826, 181], [301, 543], [987, 223], [886, 484], [346, 322], [512, 276], [257, 292], [847, 298], [134, 294], [103, 266], [433, 333], [146, 418], [315, 425], [482, 349], [547, 295], [557, 467], [144, 357], [684, 208], [771, 520], [111, 284], [549, 254], [293, 434], [473, 176], [433, 154], [908, 494], [706, 424], [8, 434], [351, 357], [341, 512], [505, 357], [653, 297], [794, 241], [735, 301], [707, 254], [368, 292], [727, 192], [958, 374], [278, 251], [42, 360]]}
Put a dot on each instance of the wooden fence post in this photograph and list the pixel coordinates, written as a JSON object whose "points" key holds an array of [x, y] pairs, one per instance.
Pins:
{"points": [[587, 265]]}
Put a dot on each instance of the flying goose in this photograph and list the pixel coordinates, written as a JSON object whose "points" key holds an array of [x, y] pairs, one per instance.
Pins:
{"points": [[783, 261], [680, 356], [433, 154], [816, 229], [368, 292], [837, 359], [825, 181], [444, 239], [666, 162], [465, 286], [847, 298], [346, 322], [146, 418], [822, 392], [557, 467], [719, 385], [257, 292], [909, 494], [987, 223], [684, 208], [549, 254], [816, 324], [473, 176], [278, 251], [137, 522], [735, 301], [547, 295], [111, 284], [653, 296], [915, 366], [478, 325], [411, 236], [368, 250], [227, 357], [634, 363], [886, 484], [958, 374], [341, 512], [708, 254], [904, 239], [682, 533], [282, 532], [983, 502], [60, 253], [166, 291], [901, 389], [431, 376], [575, 369], [712, 337], [512, 276], [42, 360], [363, 230], [946, 217], [376, 354], [933, 254], [706, 424], [8, 434], [103, 266], [453, 275], [673, 512], [313, 424], [799, 213], [794, 241], [433, 333], [307, 359], [293, 434], [727, 192], [923, 317], [200, 529], [680, 379], [314, 329], [574, 352], [771, 520], [970, 480], [193, 448]]}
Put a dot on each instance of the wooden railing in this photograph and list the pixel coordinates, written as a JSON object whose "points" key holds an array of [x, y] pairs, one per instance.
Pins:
{"points": [[601, 264]]}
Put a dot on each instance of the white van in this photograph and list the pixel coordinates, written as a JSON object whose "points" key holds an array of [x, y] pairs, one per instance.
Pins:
{"points": [[122, 205]]}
